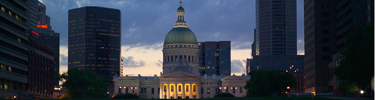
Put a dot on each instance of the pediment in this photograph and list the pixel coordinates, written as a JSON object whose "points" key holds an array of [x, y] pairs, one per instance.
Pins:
{"points": [[233, 78], [179, 74]]}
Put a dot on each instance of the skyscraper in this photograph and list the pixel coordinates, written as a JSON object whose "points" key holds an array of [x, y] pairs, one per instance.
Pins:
{"points": [[275, 27], [326, 24], [49, 37], [319, 43], [275, 39], [17, 22], [94, 40], [274, 36], [214, 58]]}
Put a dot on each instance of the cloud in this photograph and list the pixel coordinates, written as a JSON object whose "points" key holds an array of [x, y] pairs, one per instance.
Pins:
{"points": [[300, 52], [237, 66], [159, 63], [130, 62], [63, 58]]}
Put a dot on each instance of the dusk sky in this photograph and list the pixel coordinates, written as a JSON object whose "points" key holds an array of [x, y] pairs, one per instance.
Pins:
{"points": [[145, 23]]}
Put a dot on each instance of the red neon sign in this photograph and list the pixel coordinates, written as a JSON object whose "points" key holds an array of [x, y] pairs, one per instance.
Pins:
{"points": [[37, 34], [42, 26]]}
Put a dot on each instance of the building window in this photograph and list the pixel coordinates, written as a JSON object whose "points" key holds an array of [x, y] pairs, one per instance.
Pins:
{"points": [[202, 91], [119, 90], [187, 88], [158, 90], [240, 89], [208, 90], [179, 88], [234, 90], [152, 90], [194, 88], [172, 89]]}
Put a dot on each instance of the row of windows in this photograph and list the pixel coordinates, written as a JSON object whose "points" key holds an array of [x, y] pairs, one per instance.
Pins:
{"points": [[12, 14], [218, 90]]}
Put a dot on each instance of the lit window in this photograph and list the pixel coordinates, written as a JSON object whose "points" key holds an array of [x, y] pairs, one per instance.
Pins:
{"points": [[19, 40], [3, 9], [10, 13]]}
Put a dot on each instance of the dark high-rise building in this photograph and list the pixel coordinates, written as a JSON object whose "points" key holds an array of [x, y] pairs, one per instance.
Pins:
{"points": [[17, 22], [50, 38], [275, 39], [41, 65], [326, 24], [349, 15], [214, 58], [320, 43], [94, 40], [275, 27]]}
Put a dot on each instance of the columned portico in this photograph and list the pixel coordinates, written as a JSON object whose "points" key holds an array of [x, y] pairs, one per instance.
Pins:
{"points": [[180, 85]]}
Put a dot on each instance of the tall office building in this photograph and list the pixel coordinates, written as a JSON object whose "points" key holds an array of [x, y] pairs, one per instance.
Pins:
{"points": [[274, 36], [275, 39], [17, 22], [349, 15], [94, 40], [214, 58], [50, 38], [41, 65], [320, 43], [275, 27]]}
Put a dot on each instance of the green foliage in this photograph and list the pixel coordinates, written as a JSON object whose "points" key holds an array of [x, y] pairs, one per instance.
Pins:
{"points": [[224, 95], [357, 62], [83, 84], [349, 88], [125, 96], [264, 83]]}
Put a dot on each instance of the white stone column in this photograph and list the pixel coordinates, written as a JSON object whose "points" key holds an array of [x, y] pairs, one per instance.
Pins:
{"points": [[137, 90], [175, 91], [191, 91], [183, 90], [161, 91], [168, 91]]}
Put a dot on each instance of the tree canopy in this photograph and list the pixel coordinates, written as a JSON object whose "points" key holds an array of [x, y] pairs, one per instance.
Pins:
{"points": [[264, 83], [357, 63], [83, 84]]}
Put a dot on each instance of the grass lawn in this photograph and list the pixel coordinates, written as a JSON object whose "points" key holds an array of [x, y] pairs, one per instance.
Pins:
{"points": [[271, 98]]}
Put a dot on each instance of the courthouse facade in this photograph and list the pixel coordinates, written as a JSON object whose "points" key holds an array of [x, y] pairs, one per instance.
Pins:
{"points": [[181, 78]]}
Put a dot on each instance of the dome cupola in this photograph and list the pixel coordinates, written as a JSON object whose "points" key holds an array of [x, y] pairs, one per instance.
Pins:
{"points": [[180, 32]]}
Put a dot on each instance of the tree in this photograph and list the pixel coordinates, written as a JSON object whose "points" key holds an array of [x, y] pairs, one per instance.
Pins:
{"points": [[357, 62], [83, 84], [125, 96], [264, 83]]}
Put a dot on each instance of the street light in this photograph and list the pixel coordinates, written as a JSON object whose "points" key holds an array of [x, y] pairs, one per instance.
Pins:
{"points": [[362, 92], [287, 87]]}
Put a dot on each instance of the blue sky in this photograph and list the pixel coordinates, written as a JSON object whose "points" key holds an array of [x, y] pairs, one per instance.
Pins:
{"points": [[145, 23]]}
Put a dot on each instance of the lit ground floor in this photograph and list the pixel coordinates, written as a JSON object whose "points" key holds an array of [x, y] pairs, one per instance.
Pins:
{"points": [[180, 85]]}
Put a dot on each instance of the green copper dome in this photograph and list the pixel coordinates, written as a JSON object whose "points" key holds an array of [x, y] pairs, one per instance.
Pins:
{"points": [[180, 9], [180, 35]]}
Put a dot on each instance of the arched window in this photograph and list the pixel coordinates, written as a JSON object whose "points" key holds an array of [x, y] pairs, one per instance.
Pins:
{"points": [[189, 58]]}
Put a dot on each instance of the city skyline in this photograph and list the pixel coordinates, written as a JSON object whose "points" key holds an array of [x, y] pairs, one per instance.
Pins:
{"points": [[144, 26]]}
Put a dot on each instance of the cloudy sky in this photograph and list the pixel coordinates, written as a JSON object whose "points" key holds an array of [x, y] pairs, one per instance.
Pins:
{"points": [[145, 23]]}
